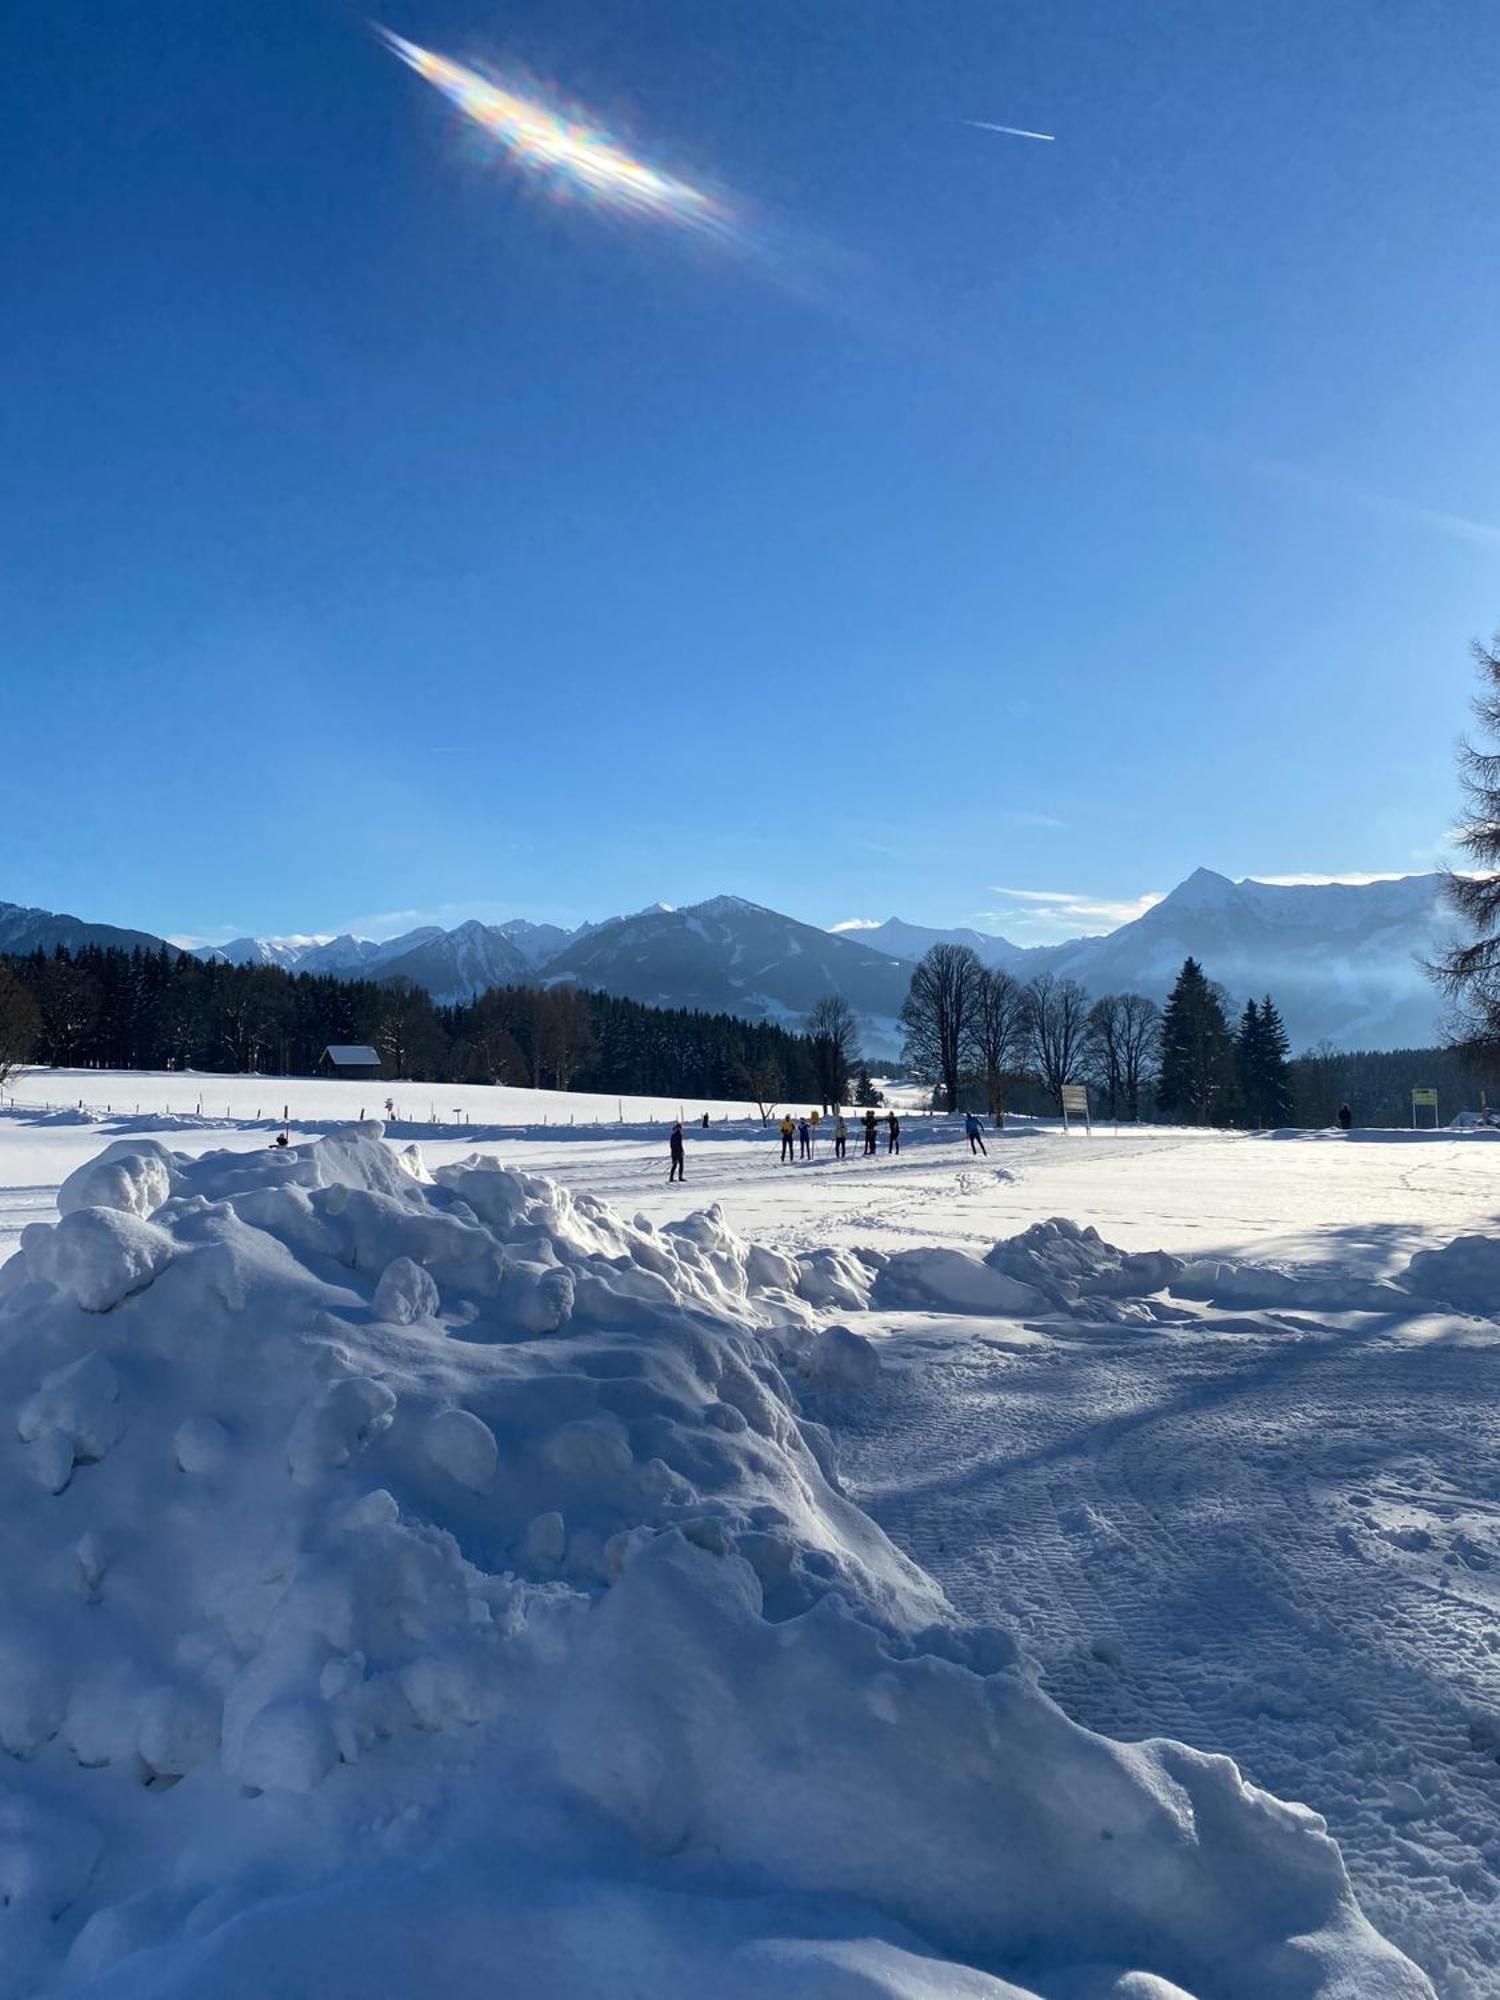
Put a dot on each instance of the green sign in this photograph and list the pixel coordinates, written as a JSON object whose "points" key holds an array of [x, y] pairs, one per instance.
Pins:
{"points": [[1428, 1097]]}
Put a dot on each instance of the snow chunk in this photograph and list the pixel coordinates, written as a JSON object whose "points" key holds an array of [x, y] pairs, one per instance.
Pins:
{"points": [[1068, 1263], [200, 1445], [95, 1256], [834, 1278], [405, 1293], [79, 1403], [952, 1281], [133, 1175], [336, 1426], [841, 1359], [179, 1730], [462, 1445], [1464, 1273], [545, 1539], [288, 1747]]}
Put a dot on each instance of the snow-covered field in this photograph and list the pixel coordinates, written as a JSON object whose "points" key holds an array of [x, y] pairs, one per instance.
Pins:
{"points": [[417, 1577]]}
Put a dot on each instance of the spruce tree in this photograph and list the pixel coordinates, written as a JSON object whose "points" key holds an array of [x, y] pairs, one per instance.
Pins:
{"points": [[1275, 1067], [1197, 1053], [1249, 1064]]}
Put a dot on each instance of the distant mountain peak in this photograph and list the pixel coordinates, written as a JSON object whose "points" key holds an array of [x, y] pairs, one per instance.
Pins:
{"points": [[1201, 890], [726, 906]]}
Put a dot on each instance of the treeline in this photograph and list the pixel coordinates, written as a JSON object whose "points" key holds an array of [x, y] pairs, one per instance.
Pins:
{"points": [[1377, 1084], [103, 1008], [984, 1041]]}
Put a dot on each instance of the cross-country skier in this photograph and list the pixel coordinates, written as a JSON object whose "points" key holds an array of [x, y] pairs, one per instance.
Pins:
{"points": [[975, 1133], [804, 1138], [1346, 1118], [840, 1135], [892, 1133], [678, 1156], [869, 1132], [788, 1133]]}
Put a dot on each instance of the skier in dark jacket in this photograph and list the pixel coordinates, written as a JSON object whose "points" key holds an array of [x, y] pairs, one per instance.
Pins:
{"points": [[869, 1132], [678, 1155], [1346, 1118], [804, 1138], [893, 1133], [975, 1134]]}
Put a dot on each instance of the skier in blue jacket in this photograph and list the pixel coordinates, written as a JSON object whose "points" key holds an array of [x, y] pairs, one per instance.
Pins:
{"points": [[975, 1132]]}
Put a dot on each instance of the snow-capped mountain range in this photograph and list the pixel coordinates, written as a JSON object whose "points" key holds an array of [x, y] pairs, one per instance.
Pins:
{"points": [[1343, 960]]}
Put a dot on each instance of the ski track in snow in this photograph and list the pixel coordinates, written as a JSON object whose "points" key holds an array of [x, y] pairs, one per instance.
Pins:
{"points": [[1281, 1544]]}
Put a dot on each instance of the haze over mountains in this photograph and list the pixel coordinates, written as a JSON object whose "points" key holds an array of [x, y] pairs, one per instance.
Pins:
{"points": [[1342, 960]]}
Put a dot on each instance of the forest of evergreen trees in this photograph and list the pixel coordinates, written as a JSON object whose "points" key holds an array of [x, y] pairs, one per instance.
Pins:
{"points": [[111, 1009]]}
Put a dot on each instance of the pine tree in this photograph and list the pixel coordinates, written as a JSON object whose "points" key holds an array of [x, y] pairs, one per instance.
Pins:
{"points": [[1197, 1053]]}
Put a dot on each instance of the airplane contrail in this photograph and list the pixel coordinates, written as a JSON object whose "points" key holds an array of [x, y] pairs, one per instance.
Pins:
{"points": [[1011, 131]]}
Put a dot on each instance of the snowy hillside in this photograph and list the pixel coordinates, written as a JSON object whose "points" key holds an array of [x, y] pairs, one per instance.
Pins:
{"points": [[421, 1576]]}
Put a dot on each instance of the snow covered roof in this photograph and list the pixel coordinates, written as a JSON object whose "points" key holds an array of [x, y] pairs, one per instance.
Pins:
{"points": [[351, 1053]]}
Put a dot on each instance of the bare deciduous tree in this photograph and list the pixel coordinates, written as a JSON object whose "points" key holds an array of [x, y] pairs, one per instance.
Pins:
{"points": [[763, 1084], [1057, 1027], [1103, 1058], [494, 1051], [20, 1023], [1140, 1046], [834, 1034], [937, 1014], [997, 1035], [407, 1034], [562, 1034]]}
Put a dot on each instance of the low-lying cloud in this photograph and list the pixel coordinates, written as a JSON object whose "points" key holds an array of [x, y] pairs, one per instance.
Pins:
{"points": [[1046, 914]]}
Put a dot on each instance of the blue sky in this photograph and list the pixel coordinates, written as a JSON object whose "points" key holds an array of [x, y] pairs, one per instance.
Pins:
{"points": [[385, 540]]}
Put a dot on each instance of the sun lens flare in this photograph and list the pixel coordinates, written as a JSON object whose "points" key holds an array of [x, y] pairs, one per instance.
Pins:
{"points": [[564, 148]]}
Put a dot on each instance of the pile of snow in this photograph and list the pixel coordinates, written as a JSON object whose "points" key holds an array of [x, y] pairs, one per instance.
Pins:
{"points": [[427, 1583], [1464, 1273], [1066, 1264]]}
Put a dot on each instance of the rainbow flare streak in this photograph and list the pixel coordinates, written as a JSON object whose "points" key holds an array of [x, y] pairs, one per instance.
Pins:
{"points": [[568, 150]]}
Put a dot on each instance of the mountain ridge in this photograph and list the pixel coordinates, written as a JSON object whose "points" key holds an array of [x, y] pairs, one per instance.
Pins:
{"points": [[1342, 959]]}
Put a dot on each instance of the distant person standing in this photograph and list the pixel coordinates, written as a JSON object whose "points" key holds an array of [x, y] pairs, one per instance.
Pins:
{"points": [[840, 1135], [1346, 1118], [678, 1155], [869, 1132], [892, 1133], [788, 1133], [804, 1138], [975, 1133]]}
